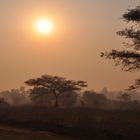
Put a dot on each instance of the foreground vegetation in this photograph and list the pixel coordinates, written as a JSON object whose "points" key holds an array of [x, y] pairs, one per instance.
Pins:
{"points": [[80, 123]]}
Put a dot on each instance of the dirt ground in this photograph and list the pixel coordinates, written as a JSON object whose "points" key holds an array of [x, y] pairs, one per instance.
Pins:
{"points": [[10, 133]]}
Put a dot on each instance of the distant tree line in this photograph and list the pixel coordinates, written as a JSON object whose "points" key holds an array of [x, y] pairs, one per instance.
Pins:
{"points": [[54, 91]]}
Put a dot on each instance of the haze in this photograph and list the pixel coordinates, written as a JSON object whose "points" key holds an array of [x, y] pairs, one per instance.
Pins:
{"points": [[83, 29]]}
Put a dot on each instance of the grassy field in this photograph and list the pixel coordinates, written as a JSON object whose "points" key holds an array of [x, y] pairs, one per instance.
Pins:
{"points": [[76, 123]]}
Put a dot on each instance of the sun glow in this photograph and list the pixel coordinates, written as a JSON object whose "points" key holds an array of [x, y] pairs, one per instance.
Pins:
{"points": [[44, 26]]}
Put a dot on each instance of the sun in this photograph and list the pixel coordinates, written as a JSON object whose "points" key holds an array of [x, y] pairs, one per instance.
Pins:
{"points": [[44, 26]]}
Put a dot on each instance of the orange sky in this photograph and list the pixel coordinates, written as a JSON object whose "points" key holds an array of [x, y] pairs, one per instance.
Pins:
{"points": [[82, 30]]}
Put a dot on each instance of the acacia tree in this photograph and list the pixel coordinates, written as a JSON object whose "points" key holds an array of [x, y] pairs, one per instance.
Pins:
{"points": [[41, 96], [129, 58], [56, 85]]}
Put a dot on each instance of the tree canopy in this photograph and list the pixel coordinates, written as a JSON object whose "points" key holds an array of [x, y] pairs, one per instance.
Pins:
{"points": [[56, 85], [128, 58]]}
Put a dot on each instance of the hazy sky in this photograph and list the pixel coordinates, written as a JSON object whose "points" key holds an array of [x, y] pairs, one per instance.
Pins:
{"points": [[83, 29]]}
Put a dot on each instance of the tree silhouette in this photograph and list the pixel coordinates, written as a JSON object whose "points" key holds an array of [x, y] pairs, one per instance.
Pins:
{"points": [[136, 85], [125, 99], [69, 99], [56, 85], [129, 58], [94, 100], [41, 96]]}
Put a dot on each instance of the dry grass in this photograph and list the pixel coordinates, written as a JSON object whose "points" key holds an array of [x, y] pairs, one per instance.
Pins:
{"points": [[76, 122]]}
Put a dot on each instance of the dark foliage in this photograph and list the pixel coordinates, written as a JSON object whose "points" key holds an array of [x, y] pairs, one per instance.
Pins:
{"points": [[129, 58], [132, 14], [3, 103], [136, 85], [41, 96], [94, 100], [55, 85], [77, 123]]}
